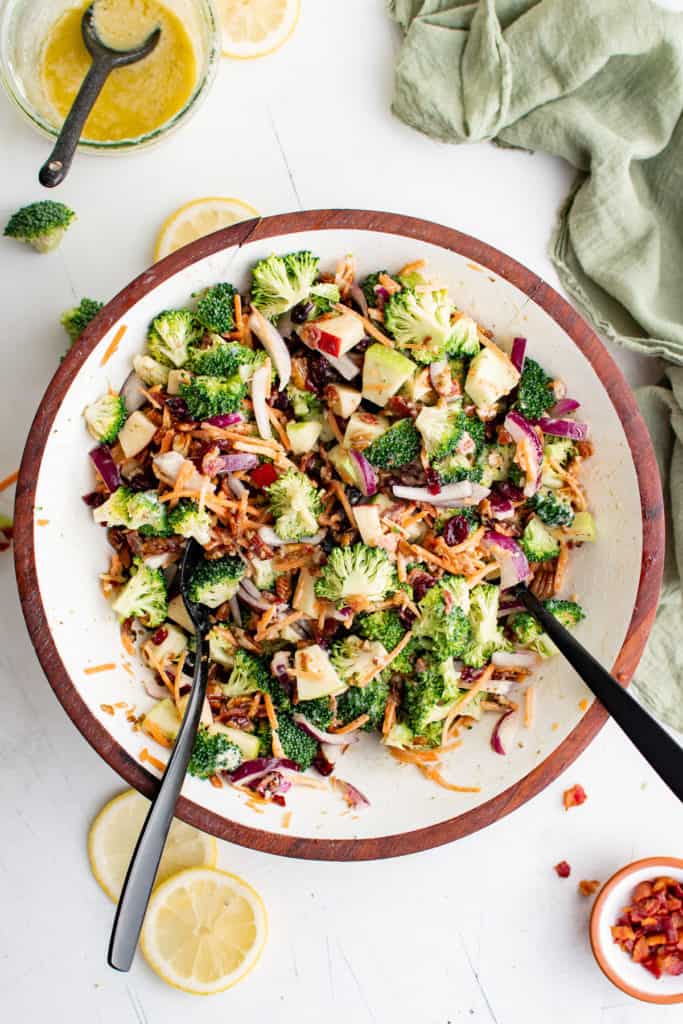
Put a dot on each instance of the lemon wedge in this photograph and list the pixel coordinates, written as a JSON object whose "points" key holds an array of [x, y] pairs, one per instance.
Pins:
{"points": [[113, 835], [198, 218], [204, 931], [255, 28]]}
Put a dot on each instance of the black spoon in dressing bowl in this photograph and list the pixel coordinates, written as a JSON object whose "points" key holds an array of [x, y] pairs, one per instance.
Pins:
{"points": [[662, 752], [104, 61], [137, 887]]}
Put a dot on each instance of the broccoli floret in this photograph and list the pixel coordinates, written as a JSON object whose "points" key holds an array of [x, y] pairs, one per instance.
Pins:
{"points": [[444, 625], [151, 372], [41, 224], [385, 627], [538, 543], [147, 514], [427, 698], [398, 446], [445, 429], [105, 417], [534, 394], [304, 403], [220, 358], [212, 752], [458, 466], [370, 284], [354, 658], [551, 509], [528, 632], [221, 649], [487, 636], [75, 320], [216, 308], [569, 613], [188, 520], [282, 282], [495, 461], [357, 571], [296, 744], [420, 322], [464, 339], [144, 596], [114, 511], [249, 674], [170, 335], [296, 504], [322, 297], [560, 450], [264, 573], [365, 700], [318, 712], [213, 396], [214, 582]]}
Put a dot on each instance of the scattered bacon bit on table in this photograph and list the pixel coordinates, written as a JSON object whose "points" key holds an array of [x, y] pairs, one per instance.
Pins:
{"points": [[563, 869], [574, 797], [588, 887], [650, 929]]}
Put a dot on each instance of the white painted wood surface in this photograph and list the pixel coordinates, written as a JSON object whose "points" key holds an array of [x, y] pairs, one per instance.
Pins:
{"points": [[478, 931]]}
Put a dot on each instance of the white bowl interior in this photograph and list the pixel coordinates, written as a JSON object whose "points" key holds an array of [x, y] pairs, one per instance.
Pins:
{"points": [[615, 958], [71, 551]]}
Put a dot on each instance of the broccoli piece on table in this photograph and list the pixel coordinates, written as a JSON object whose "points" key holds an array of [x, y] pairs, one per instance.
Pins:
{"points": [[170, 336], [304, 403], [357, 571], [398, 446], [354, 658], [296, 504], [428, 698], [188, 520], [220, 358], [114, 511], [464, 339], [212, 752], [553, 511], [147, 514], [75, 320], [420, 322], [144, 596], [212, 396], [368, 700], [534, 393], [538, 543], [487, 636], [281, 282], [216, 308], [41, 225], [216, 581], [105, 417], [370, 285], [318, 712], [444, 625], [296, 744], [448, 429]]}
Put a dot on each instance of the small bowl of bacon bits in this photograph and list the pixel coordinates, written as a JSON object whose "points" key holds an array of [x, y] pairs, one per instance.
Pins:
{"points": [[636, 929]]}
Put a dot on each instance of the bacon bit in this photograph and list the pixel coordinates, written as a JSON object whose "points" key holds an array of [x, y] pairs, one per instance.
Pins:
{"points": [[92, 669], [368, 324], [334, 426], [108, 708], [286, 819], [384, 662], [153, 730], [352, 726], [529, 706], [583, 704], [432, 772], [113, 345], [9, 480], [587, 888], [574, 797], [563, 869]]}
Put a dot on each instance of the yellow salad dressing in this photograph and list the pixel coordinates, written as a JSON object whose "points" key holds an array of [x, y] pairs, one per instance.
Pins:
{"points": [[137, 99]]}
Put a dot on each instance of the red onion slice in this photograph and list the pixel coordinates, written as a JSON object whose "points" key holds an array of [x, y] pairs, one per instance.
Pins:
{"points": [[214, 465], [501, 508], [564, 406], [564, 428], [259, 603], [351, 794], [249, 771], [154, 689], [505, 731], [514, 567], [235, 611], [525, 437], [132, 392], [274, 344], [103, 461], [514, 659], [334, 739], [462, 493], [518, 353], [368, 477], [260, 382], [358, 297], [226, 419]]}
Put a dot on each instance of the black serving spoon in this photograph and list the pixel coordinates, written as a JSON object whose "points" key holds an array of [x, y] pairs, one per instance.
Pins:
{"points": [[104, 60], [663, 753], [144, 863]]}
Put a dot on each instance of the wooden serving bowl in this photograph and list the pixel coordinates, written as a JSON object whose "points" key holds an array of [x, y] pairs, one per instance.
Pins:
{"points": [[59, 552]]}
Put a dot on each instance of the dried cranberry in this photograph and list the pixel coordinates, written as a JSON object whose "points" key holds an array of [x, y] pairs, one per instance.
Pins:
{"points": [[433, 481], [421, 582], [279, 800], [407, 617], [322, 765], [144, 481], [509, 491], [456, 530], [159, 636], [354, 495], [280, 400], [178, 407], [94, 499], [320, 373]]}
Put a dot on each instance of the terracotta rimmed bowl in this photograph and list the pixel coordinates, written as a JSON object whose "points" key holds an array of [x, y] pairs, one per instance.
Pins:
{"points": [[59, 552], [615, 894]]}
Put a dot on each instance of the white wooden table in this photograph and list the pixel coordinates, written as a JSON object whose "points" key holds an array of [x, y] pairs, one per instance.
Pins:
{"points": [[482, 930]]}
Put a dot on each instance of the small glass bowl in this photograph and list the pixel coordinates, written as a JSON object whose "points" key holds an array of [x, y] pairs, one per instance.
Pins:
{"points": [[24, 26]]}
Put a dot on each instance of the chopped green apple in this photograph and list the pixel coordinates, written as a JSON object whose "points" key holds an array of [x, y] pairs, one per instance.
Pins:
{"points": [[342, 400], [175, 379], [316, 676], [385, 371], [178, 612], [582, 530], [363, 428], [338, 335], [304, 436], [163, 720], [491, 376], [249, 744], [136, 433]]}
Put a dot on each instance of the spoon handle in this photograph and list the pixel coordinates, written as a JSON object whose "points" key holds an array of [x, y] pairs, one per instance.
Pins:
{"points": [[663, 753], [56, 167], [144, 863]]}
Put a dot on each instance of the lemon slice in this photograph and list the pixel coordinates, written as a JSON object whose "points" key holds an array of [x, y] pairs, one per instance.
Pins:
{"points": [[254, 28], [198, 218], [113, 835], [204, 930]]}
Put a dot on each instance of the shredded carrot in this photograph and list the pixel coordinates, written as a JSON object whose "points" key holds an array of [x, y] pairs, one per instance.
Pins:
{"points": [[433, 773], [401, 568], [368, 324], [92, 669], [456, 708], [153, 730], [9, 480], [529, 706], [108, 708], [155, 762], [414, 756], [389, 714], [351, 726], [429, 556], [274, 726], [263, 622], [281, 624], [42, 522], [286, 819], [279, 429], [561, 567], [338, 489], [113, 345], [334, 426], [583, 704], [411, 268], [215, 782], [238, 314], [479, 575], [384, 662]]}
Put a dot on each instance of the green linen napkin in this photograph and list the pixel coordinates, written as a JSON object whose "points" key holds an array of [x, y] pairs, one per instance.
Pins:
{"points": [[599, 83]]}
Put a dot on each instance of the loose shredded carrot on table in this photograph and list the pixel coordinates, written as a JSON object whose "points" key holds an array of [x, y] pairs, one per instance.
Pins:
{"points": [[106, 667], [113, 345], [529, 706], [286, 819], [431, 772], [417, 757], [368, 324], [351, 726], [9, 480]]}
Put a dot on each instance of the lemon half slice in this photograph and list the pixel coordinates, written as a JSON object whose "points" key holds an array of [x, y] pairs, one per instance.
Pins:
{"points": [[113, 835], [255, 28], [204, 931], [198, 218]]}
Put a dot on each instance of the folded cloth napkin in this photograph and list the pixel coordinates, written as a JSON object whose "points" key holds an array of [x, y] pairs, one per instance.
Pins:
{"points": [[600, 83]]}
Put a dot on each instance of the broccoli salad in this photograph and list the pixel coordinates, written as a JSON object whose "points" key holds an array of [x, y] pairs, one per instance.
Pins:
{"points": [[370, 476]]}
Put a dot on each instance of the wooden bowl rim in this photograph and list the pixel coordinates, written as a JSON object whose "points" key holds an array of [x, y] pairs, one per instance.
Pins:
{"points": [[656, 863], [622, 399]]}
